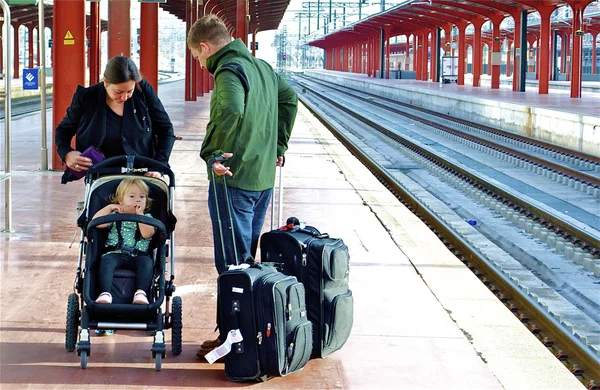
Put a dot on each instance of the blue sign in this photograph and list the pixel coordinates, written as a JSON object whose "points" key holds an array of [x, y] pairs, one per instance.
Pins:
{"points": [[30, 78]]}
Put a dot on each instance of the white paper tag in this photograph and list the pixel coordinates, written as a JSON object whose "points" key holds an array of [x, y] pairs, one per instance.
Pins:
{"points": [[234, 336], [237, 290], [241, 266]]}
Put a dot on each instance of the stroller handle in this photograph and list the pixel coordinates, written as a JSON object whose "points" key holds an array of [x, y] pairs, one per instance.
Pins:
{"points": [[128, 217], [140, 164]]}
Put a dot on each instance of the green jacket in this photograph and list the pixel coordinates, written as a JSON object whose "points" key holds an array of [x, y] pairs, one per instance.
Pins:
{"points": [[252, 112]]}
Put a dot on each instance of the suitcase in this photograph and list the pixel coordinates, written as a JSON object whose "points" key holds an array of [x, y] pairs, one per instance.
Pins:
{"points": [[262, 312], [269, 310], [321, 264]]}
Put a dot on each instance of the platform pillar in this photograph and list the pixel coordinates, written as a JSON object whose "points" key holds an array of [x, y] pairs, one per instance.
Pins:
{"points": [[594, 52], [544, 48], [576, 61], [68, 60], [477, 52], [149, 43], [94, 49], [496, 56], [30, 28], [119, 28], [241, 21], [462, 53], [508, 58], [425, 62], [16, 63], [190, 77]]}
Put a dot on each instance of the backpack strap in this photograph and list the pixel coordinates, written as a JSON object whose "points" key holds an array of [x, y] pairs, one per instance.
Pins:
{"points": [[239, 72]]}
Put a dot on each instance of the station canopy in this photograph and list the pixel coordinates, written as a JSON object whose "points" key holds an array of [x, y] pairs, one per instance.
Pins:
{"points": [[416, 15], [264, 15]]}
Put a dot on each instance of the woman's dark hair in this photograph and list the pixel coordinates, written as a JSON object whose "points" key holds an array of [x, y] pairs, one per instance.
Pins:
{"points": [[121, 69]]}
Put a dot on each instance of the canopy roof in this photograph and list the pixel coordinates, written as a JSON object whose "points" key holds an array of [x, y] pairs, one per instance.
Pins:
{"points": [[264, 15], [417, 16]]}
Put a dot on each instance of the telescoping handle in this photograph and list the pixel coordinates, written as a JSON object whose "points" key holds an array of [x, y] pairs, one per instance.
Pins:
{"points": [[212, 172], [280, 200]]}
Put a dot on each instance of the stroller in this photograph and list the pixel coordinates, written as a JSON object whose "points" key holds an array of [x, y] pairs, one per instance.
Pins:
{"points": [[83, 314]]}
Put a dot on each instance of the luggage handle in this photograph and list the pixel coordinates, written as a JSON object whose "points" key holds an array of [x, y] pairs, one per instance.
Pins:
{"points": [[280, 200], [210, 163]]}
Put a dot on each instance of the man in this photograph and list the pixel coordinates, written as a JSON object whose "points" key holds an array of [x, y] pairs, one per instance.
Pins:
{"points": [[252, 112]]}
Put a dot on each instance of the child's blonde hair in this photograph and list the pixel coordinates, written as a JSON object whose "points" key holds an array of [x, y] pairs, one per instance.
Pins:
{"points": [[126, 185]]}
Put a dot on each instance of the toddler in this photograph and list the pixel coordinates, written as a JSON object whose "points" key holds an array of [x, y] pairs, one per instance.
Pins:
{"points": [[128, 241]]}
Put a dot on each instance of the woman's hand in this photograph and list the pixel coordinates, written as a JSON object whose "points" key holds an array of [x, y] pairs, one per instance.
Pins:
{"points": [[156, 175], [77, 162]]}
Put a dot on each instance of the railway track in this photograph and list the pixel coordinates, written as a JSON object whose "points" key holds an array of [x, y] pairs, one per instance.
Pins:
{"points": [[28, 105], [526, 230]]}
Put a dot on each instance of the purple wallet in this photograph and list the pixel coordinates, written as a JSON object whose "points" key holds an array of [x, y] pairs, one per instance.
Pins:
{"points": [[92, 153]]}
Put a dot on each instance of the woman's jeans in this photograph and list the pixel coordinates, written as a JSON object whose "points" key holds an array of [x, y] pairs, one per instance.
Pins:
{"points": [[248, 211], [141, 264]]}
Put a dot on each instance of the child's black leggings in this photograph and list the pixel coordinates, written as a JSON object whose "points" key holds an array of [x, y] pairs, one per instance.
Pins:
{"points": [[110, 262]]}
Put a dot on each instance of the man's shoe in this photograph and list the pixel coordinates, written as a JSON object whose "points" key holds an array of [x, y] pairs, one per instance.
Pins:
{"points": [[210, 344]]}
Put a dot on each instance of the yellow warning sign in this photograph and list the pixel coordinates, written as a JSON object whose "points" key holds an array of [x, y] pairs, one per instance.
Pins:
{"points": [[68, 39]]}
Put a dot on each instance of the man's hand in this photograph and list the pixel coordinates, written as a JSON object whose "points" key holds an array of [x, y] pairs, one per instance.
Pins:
{"points": [[280, 161], [221, 169]]}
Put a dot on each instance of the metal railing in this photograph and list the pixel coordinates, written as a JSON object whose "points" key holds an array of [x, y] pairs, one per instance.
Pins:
{"points": [[7, 56]]}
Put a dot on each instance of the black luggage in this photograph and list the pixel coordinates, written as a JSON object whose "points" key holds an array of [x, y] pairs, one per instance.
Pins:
{"points": [[321, 263], [268, 310]]}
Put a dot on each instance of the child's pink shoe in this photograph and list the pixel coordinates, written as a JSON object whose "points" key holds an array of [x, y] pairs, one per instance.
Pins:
{"points": [[140, 298], [104, 298]]}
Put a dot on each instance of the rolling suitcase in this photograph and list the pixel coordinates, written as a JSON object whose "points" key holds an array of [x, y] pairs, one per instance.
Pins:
{"points": [[263, 321], [321, 264]]}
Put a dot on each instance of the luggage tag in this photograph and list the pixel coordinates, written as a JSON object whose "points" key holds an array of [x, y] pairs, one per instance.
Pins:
{"points": [[233, 336]]}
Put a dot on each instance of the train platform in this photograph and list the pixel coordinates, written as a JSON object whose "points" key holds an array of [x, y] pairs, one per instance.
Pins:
{"points": [[556, 117], [422, 320]]}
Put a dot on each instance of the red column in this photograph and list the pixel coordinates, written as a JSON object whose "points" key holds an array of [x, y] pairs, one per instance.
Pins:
{"points": [[387, 53], [149, 43], [537, 60], [496, 56], [190, 84], [508, 61], [16, 59], [489, 58], [462, 53], [254, 43], [576, 61], [119, 28], [68, 59], [477, 54], [94, 49], [30, 27], [544, 52], [200, 70], [435, 53], [417, 56], [517, 49], [241, 23], [594, 52], [425, 74]]}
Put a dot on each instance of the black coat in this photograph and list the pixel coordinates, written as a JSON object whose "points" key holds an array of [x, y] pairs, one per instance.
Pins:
{"points": [[147, 130]]}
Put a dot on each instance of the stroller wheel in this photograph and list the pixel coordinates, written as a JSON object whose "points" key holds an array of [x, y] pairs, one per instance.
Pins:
{"points": [[158, 361], [72, 322], [83, 359], [176, 331]]}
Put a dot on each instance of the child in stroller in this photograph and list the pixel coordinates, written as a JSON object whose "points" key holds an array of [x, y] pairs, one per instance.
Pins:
{"points": [[127, 241], [153, 315]]}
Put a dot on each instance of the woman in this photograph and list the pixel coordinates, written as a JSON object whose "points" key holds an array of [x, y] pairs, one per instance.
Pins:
{"points": [[120, 116]]}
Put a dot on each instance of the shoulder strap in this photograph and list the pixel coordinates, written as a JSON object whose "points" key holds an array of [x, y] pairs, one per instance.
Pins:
{"points": [[238, 70]]}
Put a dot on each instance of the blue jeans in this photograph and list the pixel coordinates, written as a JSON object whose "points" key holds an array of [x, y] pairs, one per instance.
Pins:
{"points": [[248, 211]]}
